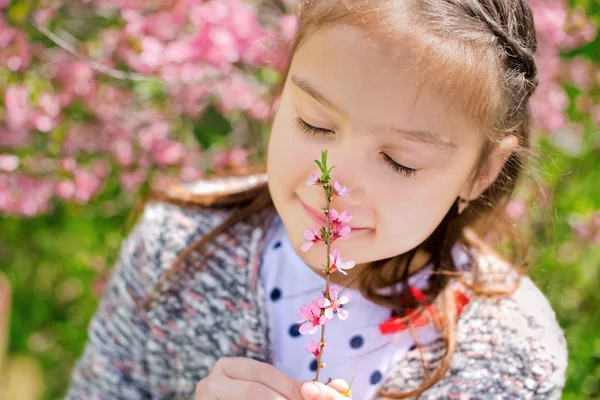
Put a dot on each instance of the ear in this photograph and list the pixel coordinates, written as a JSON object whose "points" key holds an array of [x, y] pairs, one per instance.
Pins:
{"points": [[491, 169]]}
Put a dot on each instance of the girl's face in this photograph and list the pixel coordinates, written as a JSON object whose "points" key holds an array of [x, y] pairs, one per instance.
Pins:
{"points": [[404, 157]]}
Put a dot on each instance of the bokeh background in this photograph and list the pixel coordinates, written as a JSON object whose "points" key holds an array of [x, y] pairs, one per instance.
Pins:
{"points": [[102, 100]]}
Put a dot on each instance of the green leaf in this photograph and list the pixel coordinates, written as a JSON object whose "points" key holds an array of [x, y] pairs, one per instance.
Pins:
{"points": [[324, 158]]}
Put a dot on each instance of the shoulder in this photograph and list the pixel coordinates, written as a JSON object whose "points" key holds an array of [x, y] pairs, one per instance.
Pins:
{"points": [[513, 340], [162, 231], [506, 346]]}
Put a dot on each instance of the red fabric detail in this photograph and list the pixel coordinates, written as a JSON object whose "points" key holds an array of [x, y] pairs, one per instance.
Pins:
{"points": [[416, 320]]}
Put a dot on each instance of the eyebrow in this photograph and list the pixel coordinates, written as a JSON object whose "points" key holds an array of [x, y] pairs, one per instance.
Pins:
{"points": [[430, 138]]}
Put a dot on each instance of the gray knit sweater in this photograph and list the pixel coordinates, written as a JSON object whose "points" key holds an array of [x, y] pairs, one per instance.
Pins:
{"points": [[510, 348]]}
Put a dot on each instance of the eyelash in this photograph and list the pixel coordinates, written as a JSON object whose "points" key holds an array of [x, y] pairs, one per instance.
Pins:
{"points": [[393, 165], [311, 130]]}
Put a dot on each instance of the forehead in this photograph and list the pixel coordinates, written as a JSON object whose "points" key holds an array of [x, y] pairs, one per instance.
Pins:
{"points": [[375, 84]]}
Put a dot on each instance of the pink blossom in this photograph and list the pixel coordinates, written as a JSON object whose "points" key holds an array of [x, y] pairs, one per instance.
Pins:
{"points": [[313, 236], [334, 305], [337, 218], [311, 317], [336, 263], [315, 348], [338, 229], [339, 190], [314, 179]]}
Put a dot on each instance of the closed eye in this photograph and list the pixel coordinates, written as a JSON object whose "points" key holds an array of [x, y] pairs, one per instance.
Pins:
{"points": [[311, 130], [399, 168]]}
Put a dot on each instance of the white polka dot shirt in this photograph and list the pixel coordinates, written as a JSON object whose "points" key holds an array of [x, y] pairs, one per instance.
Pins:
{"points": [[356, 346]]}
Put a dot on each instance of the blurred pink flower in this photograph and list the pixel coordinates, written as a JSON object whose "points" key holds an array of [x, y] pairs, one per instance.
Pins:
{"points": [[131, 180], [86, 186], [516, 209], [579, 28], [16, 102], [168, 153], [9, 162], [234, 158], [65, 189], [580, 72], [123, 152], [15, 52]]}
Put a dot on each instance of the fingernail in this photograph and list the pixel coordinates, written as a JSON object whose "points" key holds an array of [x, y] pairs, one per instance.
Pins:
{"points": [[309, 390]]}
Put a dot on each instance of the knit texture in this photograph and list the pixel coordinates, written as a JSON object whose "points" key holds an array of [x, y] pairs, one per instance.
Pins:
{"points": [[510, 348]]}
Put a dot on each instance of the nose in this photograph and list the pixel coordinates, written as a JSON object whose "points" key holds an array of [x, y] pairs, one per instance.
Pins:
{"points": [[356, 196], [350, 173]]}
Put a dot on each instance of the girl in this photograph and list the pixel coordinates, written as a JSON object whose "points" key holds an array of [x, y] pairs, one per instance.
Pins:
{"points": [[423, 108]]}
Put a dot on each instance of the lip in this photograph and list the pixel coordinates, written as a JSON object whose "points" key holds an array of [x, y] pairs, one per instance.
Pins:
{"points": [[317, 218]]}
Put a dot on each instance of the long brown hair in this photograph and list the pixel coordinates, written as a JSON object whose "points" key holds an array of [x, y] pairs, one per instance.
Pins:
{"points": [[484, 52]]}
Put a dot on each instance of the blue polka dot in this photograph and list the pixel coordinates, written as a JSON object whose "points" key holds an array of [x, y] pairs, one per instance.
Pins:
{"points": [[313, 365], [394, 314], [356, 342], [295, 330], [414, 346], [376, 377], [277, 245], [275, 294]]}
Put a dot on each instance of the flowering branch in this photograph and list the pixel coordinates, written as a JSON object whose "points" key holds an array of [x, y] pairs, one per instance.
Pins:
{"points": [[320, 310]]}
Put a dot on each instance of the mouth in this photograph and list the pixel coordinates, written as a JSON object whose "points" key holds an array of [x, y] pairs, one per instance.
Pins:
{"points": [[319, 218]]}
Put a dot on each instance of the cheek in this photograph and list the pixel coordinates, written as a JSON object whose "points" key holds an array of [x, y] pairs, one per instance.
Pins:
{"points": [[410, 212], [287, 164]]}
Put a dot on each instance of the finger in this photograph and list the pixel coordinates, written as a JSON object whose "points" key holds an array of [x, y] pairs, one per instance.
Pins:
{"points": [[246, 369], [202, 391], [318, 391], [339, 385], [223, 388]]}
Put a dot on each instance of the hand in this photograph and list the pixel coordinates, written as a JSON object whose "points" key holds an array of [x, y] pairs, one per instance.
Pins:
{"points": [[244, 378]]}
